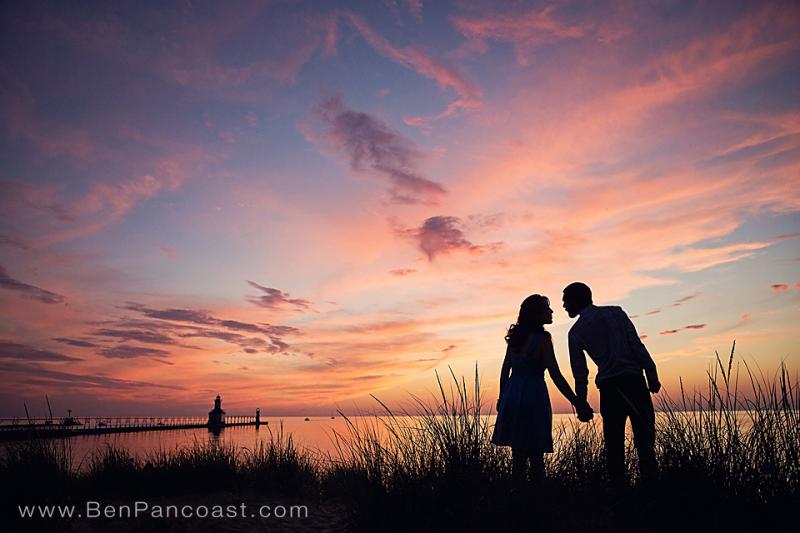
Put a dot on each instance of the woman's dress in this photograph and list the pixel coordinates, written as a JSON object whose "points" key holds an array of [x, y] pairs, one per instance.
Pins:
{"points": [[525, 419]]}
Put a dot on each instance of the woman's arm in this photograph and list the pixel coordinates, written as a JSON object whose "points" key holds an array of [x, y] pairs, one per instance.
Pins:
{"points": [[504, 372], [558, 378]]}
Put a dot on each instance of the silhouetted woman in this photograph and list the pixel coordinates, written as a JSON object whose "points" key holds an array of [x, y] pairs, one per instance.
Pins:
{"points": [[524, 417]]}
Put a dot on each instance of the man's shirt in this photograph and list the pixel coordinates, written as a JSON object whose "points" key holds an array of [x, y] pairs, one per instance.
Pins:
{"points": [[609, 337]]}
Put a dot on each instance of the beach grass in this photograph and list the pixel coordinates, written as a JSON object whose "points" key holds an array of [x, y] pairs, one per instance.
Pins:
{"points": [[727, 459]]}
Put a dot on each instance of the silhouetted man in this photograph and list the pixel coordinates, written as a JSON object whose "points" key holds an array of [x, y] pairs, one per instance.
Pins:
{"points": [[609, 337]]}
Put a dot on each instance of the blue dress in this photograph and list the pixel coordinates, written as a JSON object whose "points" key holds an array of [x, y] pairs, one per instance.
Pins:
{"points": [[525, 419]]}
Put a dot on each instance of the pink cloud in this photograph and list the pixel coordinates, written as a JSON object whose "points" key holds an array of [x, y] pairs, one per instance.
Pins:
{"points": [[167, 250], [442, 235], [415, 8], [779, 287], [468, 95], [525, 31]]}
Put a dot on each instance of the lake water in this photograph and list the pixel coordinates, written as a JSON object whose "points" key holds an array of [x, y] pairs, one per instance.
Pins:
{"points": [[315, 435]]}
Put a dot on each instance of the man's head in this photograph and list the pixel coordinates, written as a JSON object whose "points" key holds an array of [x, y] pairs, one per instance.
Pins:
{"points": [[576, 297]]}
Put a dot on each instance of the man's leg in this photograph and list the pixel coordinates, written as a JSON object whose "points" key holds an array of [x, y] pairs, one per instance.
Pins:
{"points": [[613, 412], [643, 422]]}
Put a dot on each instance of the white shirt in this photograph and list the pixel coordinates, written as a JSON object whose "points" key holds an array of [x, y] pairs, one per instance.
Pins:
{"points": [[609, 337]]}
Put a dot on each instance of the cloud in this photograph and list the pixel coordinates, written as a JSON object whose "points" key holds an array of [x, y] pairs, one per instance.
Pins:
{"points": [[38, 375], [779, 287], [166, 250], [13, 350], [374, 148], [525, 31], [131, 352], [677, 303], [275, 298], [415, 8], [402, 271], [171, 325], [442, 235], [690, 327], [681, 301], [177, 315], [468, 95], [28, 291], [147, 337], [76, 342]]}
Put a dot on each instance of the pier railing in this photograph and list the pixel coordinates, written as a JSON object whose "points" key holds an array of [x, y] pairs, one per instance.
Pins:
{"points": [[22, 428]]}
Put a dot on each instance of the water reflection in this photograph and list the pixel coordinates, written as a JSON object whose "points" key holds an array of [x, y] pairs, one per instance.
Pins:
{"points": [[316, 435]]}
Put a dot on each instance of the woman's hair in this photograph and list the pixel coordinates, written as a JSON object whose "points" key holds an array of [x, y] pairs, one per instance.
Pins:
{"points": [[530, 319]]}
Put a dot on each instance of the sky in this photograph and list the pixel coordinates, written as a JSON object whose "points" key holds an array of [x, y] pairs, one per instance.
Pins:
{"points": [[299, 205]]}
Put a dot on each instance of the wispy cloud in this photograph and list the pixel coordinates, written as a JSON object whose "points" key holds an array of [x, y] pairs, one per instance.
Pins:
{"points": [[35, 374], [374, 148], [275, 298], [169, 326], [78, 343], [132, 352], [689, 327], [779, 287], [28, 291], [13, 350], [468, 95], [525, 31], [167, 250]]}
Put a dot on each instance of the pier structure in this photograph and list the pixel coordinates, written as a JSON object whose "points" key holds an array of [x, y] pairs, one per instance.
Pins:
{"points": [[47, 427]]}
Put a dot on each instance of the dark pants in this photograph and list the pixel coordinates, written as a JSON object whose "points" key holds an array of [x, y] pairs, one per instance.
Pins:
{"points": [[622, 397]]}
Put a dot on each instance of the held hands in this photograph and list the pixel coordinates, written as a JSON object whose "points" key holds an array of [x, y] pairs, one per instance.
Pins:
{"points": [[584, 411], [653, 385]]}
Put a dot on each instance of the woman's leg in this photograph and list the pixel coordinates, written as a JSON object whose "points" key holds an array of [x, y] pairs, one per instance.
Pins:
{"points": [[519, 467], [537, 466]]}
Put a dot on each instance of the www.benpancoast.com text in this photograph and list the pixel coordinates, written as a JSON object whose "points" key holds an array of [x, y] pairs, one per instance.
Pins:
{"points": [[141, 509]]}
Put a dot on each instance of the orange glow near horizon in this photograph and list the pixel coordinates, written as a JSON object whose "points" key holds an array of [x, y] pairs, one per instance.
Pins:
{"points": [[299, 206]]}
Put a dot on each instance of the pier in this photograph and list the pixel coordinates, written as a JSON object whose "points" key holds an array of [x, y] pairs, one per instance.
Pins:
{"points": [[35, 428]]}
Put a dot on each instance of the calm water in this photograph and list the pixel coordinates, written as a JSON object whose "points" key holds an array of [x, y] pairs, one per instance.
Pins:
{"points": [[315, 435]]}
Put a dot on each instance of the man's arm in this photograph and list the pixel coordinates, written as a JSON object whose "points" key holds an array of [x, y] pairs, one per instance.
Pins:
{"points": [[642, 355], [577, 361]]}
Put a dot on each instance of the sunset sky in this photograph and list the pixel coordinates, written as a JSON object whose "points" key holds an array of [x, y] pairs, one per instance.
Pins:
{"points": [[299, 204]]}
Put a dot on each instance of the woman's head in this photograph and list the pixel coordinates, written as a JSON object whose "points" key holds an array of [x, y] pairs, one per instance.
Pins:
{"points": [[536, 310], [534, 313]]}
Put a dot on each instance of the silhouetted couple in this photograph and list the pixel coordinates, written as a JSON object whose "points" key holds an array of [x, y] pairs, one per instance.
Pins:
{"points": [[524, 418]]}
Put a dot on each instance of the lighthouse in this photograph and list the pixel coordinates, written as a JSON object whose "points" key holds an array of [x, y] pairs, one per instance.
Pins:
{"points": [[216, 416]]}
